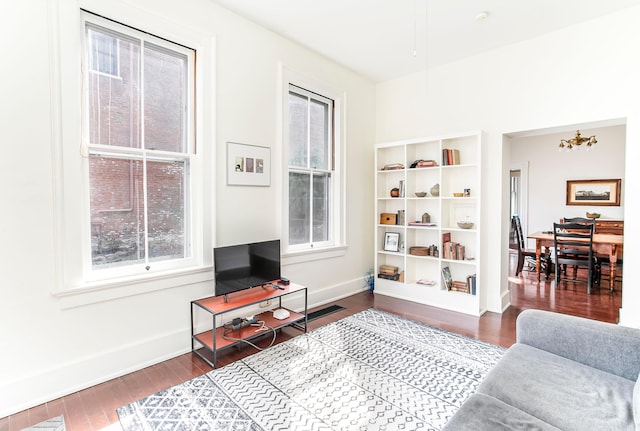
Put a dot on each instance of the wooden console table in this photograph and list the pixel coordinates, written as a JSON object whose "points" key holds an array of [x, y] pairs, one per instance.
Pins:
{"points": [[603, 243], [207, 344]]}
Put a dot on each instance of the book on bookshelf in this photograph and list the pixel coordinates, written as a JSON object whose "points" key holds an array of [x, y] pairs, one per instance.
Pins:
{"points": [[471, 284], [459, 286], [453, 251], [450, 157], [393, 166], [419, 223], [423, 164]]}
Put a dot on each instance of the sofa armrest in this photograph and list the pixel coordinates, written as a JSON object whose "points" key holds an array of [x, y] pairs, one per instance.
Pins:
{"points": [[605, 346]]}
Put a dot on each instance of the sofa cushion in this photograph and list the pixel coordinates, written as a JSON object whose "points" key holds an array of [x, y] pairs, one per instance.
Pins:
{"points": [[484, 413], [562, 392]]}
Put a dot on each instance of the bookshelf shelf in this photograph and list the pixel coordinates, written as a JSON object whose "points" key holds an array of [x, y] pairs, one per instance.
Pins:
{"points": [[458, 159]]}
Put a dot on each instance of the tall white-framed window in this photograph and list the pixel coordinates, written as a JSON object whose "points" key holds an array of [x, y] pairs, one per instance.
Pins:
{"points": [[311, 168], [313, 207], [133, 167], [139, 142]]}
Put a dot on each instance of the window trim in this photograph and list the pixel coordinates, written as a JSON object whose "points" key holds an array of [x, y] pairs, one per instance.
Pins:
{"points": [[70, 198], [287, 77]]}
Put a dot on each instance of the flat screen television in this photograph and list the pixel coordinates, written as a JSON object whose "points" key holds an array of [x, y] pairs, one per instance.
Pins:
{"points": [[242, 266]]}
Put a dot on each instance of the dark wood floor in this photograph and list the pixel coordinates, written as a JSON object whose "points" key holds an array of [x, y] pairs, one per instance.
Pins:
{"points": [[95, 408]]}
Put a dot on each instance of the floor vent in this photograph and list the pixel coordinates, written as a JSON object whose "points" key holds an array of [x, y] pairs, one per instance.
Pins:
{"points": [[323, 312]]}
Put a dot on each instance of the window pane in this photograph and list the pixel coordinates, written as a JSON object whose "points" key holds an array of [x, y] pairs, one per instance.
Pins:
{"points": [[166, 202], [319, 127], [104, 53], [299, 208], [114, 102], [298, 130], [164, 99], [321, 208], [117, 213]]}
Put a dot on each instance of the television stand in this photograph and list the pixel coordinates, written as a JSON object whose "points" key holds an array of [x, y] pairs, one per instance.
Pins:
{"points": [[207, 344]]}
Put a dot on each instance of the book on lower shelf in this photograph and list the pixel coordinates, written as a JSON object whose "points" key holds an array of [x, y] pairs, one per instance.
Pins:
{"points": [[393, 277], [471, 284], [459, 286]]}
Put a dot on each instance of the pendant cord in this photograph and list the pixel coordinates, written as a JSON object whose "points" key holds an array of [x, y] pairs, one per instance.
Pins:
{"points": [[415, 28]]}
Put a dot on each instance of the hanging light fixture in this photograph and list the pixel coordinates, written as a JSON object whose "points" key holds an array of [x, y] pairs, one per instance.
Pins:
{"points": [[576, 142]]}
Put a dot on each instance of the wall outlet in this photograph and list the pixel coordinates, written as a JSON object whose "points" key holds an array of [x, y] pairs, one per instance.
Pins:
{"points": [[266, 303]]}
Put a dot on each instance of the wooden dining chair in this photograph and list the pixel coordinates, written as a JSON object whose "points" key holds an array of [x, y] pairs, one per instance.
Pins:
{"points": [[581, 220], [523, 252], [573, 243], [603, 262]]}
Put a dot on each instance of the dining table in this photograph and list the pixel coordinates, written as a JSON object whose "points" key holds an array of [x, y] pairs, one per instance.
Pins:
{"points": [[603, 243]]}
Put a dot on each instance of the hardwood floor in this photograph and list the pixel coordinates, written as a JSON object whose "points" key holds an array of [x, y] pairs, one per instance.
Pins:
{"points": [[94, 408]]}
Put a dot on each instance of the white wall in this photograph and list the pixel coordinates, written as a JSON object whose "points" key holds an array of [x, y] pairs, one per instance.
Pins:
{"points": [[582, 74], [49, 350], [549, 170]]}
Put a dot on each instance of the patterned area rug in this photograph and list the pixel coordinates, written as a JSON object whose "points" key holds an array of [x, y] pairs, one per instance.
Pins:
{"points": [[53, 424], [370, 371]]}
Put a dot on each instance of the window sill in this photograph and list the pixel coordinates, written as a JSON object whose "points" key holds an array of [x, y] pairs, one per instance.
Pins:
{"points": [[95, 292], [293, 258]]}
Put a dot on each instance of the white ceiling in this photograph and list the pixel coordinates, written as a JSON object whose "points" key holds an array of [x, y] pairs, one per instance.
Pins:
{"points": [[377, 38]]}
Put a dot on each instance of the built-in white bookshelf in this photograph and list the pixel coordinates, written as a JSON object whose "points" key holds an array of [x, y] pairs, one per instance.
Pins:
{"points": [[457, 168]]}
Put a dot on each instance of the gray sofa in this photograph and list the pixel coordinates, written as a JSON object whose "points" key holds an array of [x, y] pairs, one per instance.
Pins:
{"points": [[563, 373]]}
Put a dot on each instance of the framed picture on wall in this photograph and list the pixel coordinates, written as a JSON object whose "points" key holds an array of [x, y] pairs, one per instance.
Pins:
{"points": [[594, 192], [248, 165]]}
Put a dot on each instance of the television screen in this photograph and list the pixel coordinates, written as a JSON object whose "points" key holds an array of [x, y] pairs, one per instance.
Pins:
{"points": [[239, 267]]}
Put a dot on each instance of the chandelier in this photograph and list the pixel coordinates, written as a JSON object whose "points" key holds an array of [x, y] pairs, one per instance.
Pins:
{"points": [[576, 142]]}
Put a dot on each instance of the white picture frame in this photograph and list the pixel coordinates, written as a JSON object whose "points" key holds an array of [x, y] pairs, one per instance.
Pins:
{"points": [[248, 165], [391, 241]]}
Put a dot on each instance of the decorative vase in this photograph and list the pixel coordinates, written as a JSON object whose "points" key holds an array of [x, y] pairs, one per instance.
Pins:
{"points": [[395, 192], [426, 218], [435, 190]]}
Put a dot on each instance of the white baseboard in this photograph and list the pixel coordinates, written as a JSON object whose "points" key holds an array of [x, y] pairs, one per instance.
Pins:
{"points": [[54, 382], [50, 383], [631, 320]]}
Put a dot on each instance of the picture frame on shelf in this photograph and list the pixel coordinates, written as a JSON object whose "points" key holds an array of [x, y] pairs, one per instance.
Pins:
{"points": [[391, 241], [594, 192], [446, 278]]}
